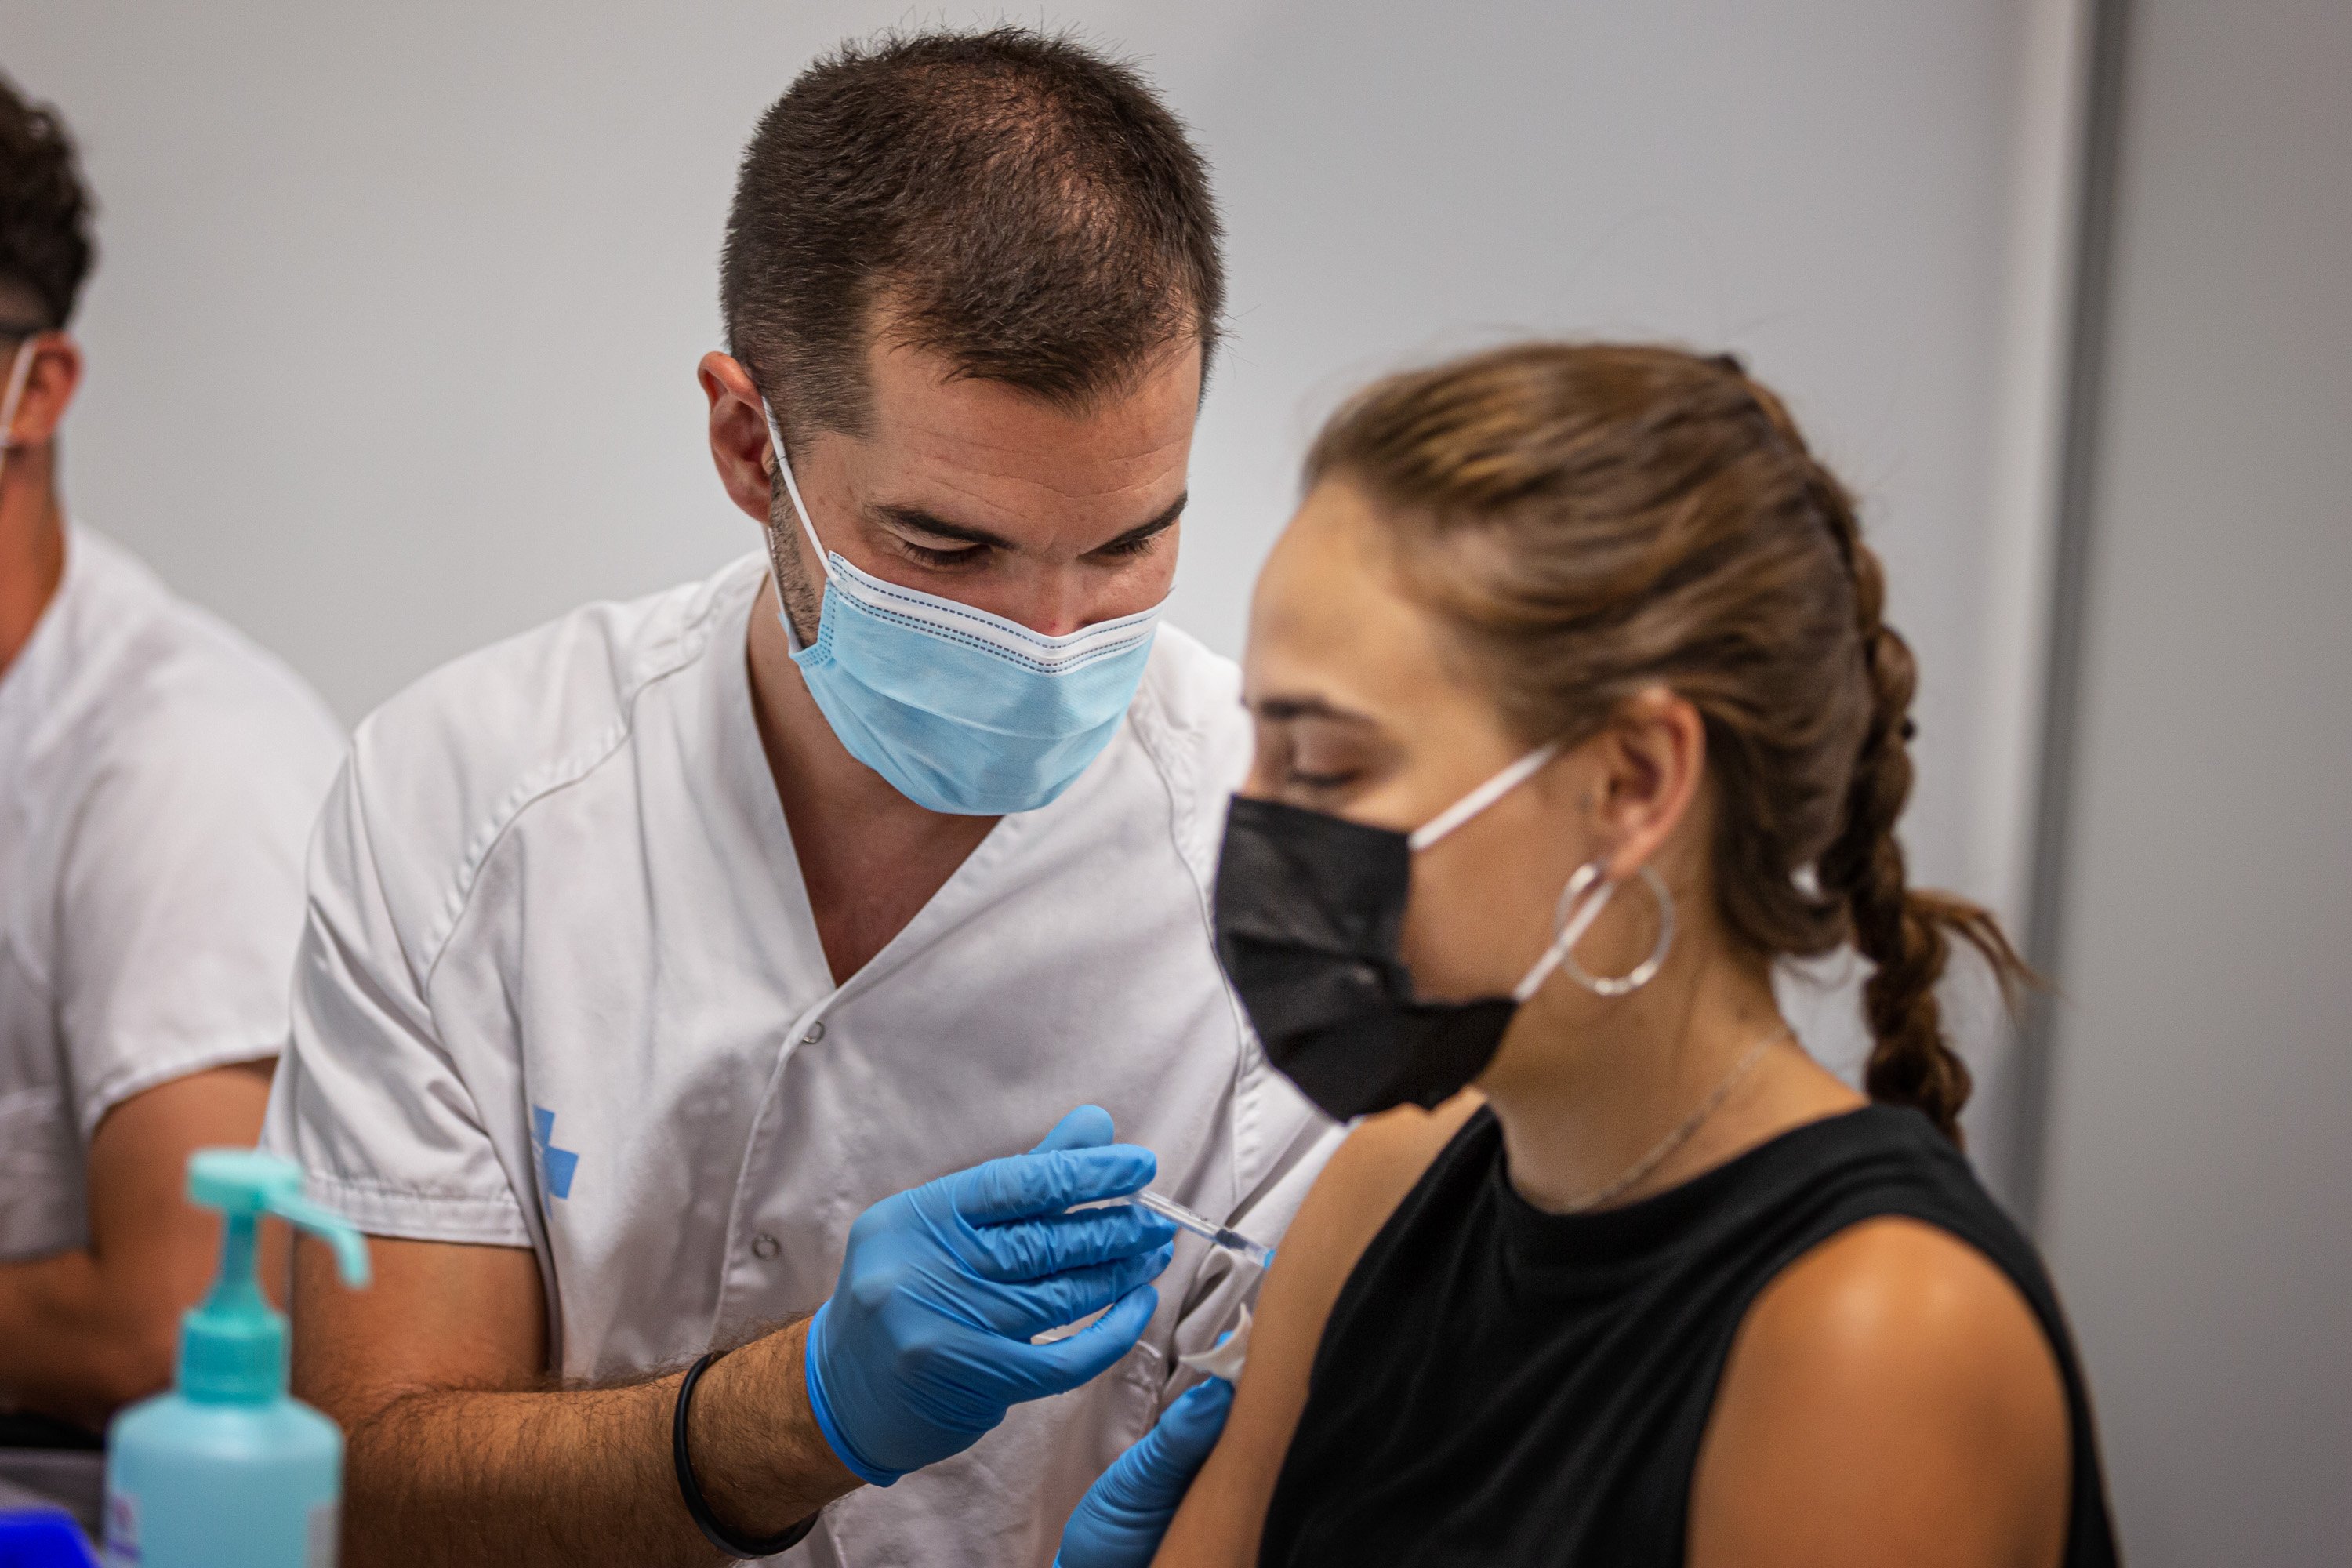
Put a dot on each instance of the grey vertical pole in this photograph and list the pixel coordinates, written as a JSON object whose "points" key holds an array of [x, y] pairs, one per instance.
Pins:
{"points": [[2077, 466]]}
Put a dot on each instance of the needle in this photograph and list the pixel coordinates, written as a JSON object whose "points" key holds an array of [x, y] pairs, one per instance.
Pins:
{"points": [[1207, 1229]]}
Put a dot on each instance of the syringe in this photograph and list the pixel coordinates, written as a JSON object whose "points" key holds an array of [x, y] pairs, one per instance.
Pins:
{"points": [[1207, 1229]]}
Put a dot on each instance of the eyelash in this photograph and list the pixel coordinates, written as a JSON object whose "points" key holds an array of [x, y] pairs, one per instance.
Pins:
{"points": [[943, 559], [1128, 547], [1323, 782]]}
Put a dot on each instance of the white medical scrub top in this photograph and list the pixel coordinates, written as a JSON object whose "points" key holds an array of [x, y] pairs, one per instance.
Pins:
{"points": [[159, 775], [562, 989]]}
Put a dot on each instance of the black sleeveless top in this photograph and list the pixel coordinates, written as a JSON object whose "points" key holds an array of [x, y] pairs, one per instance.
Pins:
{"points": [[1498, 1386]]}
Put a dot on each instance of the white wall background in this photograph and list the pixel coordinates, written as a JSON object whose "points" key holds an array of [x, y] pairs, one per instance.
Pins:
{"points": [[2198, 1206], [392, 340]]}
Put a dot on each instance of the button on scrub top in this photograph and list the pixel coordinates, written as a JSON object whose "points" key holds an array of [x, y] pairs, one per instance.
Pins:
{"points": [[562, 989]]}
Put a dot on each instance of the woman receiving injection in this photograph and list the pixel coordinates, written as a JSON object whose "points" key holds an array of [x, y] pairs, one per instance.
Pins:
{"points": [[1577, 711]]}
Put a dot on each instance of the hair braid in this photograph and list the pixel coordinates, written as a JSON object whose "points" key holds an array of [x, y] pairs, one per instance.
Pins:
{"points": [[1900, 931], [1904, 932]]}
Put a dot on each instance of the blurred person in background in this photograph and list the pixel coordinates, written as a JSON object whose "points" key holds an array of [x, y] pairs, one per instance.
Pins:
{"points": [[683, 977], [159, 776]]}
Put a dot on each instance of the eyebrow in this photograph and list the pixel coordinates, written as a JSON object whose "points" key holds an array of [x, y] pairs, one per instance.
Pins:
{"points": [[1282, 708], [916, 520]]}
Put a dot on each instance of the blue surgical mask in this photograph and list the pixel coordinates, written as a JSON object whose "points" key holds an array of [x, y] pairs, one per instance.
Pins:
{"points": [[961, 710]]}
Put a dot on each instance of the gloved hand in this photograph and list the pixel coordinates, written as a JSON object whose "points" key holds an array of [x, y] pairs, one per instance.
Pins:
{"points": [[1119, 1521], [925, 1343]]}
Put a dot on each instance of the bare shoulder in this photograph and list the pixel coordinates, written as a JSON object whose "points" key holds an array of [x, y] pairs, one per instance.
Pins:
{"points": [[1890, 1397], [1367, 1178]]}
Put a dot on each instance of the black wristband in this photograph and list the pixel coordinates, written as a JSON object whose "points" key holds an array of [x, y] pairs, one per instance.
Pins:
{"points": [[713, 1532]]}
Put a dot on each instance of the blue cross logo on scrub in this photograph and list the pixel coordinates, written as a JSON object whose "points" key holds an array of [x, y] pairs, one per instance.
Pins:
{"points": [[555, 1166], [961, 710]]}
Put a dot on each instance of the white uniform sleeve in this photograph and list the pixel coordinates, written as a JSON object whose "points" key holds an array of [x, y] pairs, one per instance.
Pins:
{"points": [[367, 1100], [179, 901]]}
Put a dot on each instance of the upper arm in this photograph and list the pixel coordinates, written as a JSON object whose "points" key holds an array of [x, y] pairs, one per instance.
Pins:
{"points": [[1224, 1513], [435, 1315], [144, 1232], [1265, 1214], [108, 1327], [179, 899], [1889, 1398], [373, 1104]]}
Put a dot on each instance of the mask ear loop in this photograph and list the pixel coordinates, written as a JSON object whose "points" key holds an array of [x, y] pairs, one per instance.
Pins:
{"points": [[20, 369], [1479, 799], [1576, 918], [791, 489], [800, 510]]}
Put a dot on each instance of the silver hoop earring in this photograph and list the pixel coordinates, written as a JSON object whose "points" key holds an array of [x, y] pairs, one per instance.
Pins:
{"points": [[1642, 973]]}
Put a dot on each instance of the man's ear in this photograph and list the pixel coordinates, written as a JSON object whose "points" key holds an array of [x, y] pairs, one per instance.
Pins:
{"points": [[49, 386], [738, 435], [1652, 754]]}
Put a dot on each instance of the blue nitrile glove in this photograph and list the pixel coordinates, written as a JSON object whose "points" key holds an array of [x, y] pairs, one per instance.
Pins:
{"points": [[925, 1343], [1119, 1521]]}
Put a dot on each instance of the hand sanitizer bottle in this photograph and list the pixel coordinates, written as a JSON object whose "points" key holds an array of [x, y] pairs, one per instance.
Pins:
{"points": [[227, 1471]]}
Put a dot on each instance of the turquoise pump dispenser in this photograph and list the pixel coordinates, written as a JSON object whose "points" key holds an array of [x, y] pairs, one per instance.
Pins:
{"points": [[227, 1471]]}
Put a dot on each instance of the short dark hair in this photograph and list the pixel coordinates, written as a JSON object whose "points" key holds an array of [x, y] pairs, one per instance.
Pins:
{"points": [[45, 244], [1012, 199]]}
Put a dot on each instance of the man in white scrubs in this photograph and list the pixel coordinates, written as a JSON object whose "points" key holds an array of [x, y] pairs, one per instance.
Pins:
{"points": [[158, 777], [650, 950]]}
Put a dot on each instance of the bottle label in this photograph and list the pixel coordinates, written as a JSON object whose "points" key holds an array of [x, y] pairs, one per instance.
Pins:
{"points": [[325, 1534], [121, 1532]]}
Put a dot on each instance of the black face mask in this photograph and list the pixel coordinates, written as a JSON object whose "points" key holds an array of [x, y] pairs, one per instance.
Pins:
{"points": [[1310, 909]]}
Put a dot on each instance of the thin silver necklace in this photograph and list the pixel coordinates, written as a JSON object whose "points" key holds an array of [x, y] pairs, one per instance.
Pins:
{"points": [[1682, 1134]]}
